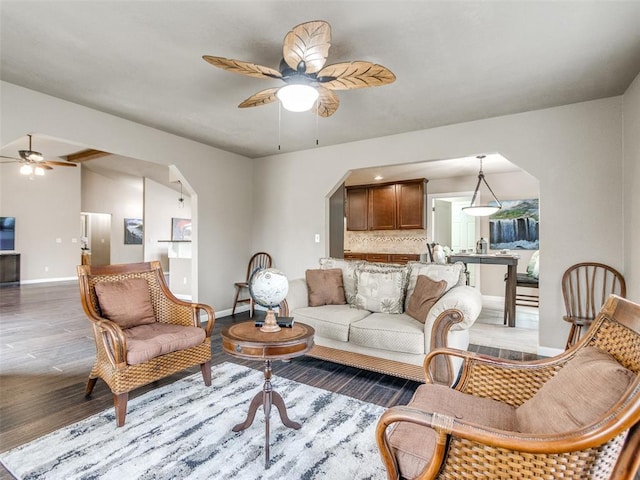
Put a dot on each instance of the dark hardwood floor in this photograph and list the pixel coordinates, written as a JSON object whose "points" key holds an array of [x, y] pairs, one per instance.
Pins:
{"points": [[47, 351]]}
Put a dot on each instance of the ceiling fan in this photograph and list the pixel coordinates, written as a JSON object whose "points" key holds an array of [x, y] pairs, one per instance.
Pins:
{"points": [[305, 49], [33, 162]]}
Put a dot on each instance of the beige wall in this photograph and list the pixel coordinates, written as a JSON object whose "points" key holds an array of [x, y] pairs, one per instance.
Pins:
{"points": [[631, 114], [47, 211], [223, 235], [574, 151]]}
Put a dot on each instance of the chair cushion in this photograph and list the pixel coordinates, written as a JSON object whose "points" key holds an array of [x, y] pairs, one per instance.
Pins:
{"points": [[325, 287], [126, 302], [381, 287], [330, 321], [425, 294], [348, 268], [145, 342], [413, 445], [579, 394], [396, 332], [452, 273]]}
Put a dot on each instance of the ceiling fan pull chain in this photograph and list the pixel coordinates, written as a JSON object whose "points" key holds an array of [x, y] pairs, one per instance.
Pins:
{"points": [[317, 115], [279, 122]]}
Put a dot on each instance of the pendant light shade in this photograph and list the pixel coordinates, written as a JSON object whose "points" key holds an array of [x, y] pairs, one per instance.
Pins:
{"points": [[297, 97], [482, 210]]}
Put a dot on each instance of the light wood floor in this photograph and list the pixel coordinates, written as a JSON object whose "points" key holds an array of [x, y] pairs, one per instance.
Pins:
{"points": [[47, 351]]}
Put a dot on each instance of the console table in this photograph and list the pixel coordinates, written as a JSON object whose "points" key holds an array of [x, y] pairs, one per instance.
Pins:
{"points": [[511, 261]]}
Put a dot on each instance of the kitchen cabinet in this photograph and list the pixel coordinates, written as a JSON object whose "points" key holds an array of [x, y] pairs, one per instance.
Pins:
{"points": [[358, 209], [382, 207], [389, 206], [382, 257]]}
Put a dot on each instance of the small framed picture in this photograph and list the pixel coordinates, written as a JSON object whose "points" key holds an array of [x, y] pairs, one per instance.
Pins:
{"points": [[133, 230], [181, 229]]}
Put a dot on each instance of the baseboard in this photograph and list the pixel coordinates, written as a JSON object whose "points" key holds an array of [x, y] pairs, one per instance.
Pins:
{"points": [[47, 280], [549, 351]]}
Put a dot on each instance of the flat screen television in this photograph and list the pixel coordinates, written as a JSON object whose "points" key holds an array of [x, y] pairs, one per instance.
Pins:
{"points": [[7, 233]]}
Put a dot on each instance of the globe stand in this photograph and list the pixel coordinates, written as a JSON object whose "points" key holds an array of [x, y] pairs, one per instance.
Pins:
{"points": [[270, 323]]}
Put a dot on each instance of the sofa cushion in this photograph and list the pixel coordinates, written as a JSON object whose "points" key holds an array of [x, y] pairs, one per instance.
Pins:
{"points": [[348, 268], [425, 294], [145, 342], [330, 321], [452, 273], [325, 287], [581, 392], [414, 444], [389, 331], [126, 302], [381, 287]]}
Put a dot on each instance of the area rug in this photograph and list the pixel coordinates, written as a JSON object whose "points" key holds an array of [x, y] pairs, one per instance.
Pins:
{"points": [[183, 430]]}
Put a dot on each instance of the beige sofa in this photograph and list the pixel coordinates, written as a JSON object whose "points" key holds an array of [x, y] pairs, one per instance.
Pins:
{"points": [[365, 334]]}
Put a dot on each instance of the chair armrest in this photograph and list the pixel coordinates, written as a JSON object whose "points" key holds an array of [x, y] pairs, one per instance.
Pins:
{"points": [[211, 316], [508, 381], [297, 297], [111, 340]]}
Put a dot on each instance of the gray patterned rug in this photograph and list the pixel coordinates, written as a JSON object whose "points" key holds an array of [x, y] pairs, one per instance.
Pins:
{"points": [[183, 430]]}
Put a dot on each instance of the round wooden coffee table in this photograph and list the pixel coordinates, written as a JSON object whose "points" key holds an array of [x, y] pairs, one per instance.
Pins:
{"points": [[245, 340]]}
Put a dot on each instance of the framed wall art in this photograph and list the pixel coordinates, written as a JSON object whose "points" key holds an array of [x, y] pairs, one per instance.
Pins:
{"points": [[180, 229], [515, 226], [133, 230]]}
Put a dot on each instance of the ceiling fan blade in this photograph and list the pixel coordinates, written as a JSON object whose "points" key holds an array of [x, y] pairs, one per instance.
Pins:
{"points": [[57, 164], [244, 68], [260, 98], [308, 42], [43, 165], [327, 102], [10, 158], [358, 74]]}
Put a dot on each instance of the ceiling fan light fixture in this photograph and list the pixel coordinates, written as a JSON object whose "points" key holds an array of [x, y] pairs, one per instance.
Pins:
{"points": [[482, 210], [26, 169], [39, 171], [31, 155], [297, 97]]}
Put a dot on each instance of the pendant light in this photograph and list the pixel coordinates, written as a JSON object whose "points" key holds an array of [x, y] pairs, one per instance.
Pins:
{"points": [[181, 199], [482, 210]]}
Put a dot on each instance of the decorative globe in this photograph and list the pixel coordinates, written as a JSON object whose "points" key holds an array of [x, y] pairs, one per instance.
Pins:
{"points": [[268, 287]]}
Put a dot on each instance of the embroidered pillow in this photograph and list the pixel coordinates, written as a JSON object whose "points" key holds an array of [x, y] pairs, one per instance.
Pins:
{"points": [[380, 287], [425, 294], [348, 268], [126, 302], [325, 287]]}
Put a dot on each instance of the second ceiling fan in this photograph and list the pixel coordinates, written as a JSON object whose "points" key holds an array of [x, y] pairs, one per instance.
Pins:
{"points": [[302, 69]]}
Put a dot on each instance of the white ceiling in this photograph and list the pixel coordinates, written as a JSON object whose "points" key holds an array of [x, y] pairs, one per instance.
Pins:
{"points": [[454, 62]]}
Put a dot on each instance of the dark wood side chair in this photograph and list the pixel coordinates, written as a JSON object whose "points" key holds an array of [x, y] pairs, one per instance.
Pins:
{"points": [[585, 288], [129, 353], [526, 281], [258, 260]]}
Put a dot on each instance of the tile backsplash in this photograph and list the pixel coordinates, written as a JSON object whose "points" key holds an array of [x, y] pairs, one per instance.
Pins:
{"points": [[386, 241]]}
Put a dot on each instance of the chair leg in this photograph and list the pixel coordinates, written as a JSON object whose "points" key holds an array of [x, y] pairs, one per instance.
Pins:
{"points": [[90, 384], [206, 372], [574, 336], [120, 404], [251, 307], [235, 300]]}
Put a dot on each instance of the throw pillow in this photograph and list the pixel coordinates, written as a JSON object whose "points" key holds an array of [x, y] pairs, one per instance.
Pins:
{"points": [[580, 393], [325, 287], [381, 288], [452, 273], [348, 268], [533, 268], [126, 302], [425, 295]]}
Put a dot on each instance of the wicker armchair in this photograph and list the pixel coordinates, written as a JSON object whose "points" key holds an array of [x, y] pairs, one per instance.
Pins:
{"points": [[427, 443], [113, 362]]}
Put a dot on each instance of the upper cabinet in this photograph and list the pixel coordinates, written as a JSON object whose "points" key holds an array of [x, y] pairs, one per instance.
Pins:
{"points": [[389, 206], [357, 208]]}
